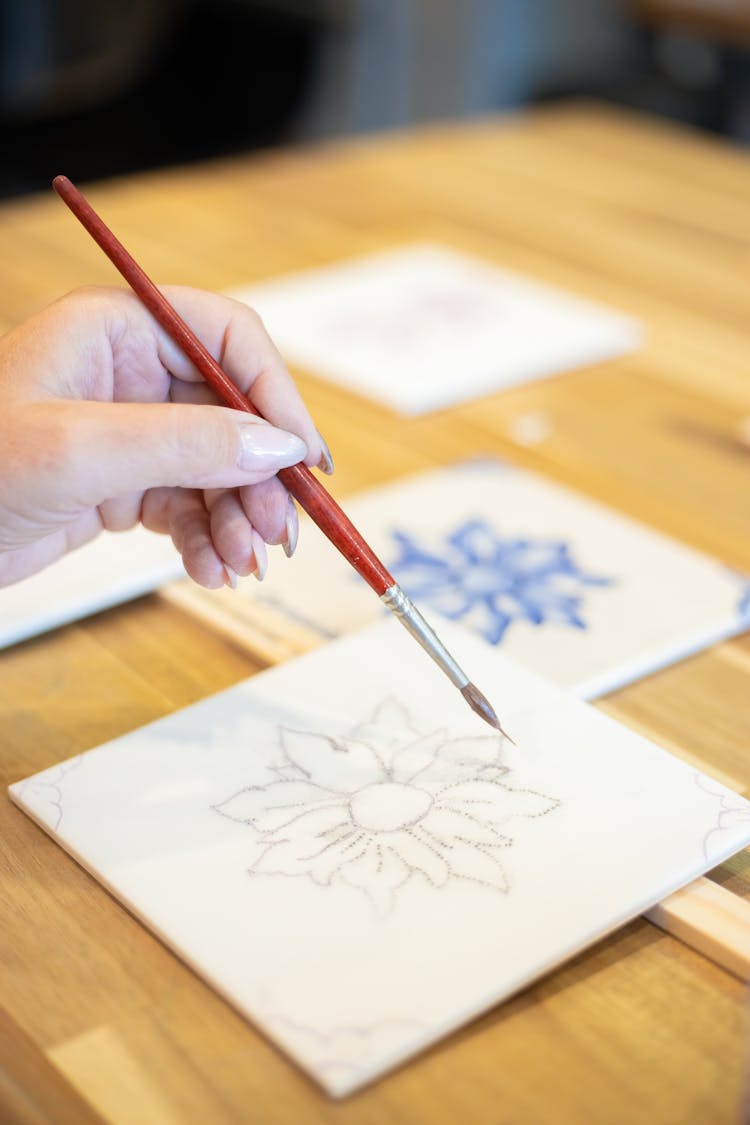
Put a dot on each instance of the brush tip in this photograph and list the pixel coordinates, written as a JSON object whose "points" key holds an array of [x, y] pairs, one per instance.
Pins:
{"points": [[482, 706]]}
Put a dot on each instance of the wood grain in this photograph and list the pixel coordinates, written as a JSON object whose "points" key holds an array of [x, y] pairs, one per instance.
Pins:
{"points": [[638, 214]]}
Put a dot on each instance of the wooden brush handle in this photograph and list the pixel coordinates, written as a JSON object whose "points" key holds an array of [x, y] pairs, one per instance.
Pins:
{"points": [[300, 482]]}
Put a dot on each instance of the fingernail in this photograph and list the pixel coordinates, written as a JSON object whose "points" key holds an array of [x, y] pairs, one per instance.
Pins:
{"points": [[230, 577], [263, 447], [261, 556], [292, 529], [325, 464]]}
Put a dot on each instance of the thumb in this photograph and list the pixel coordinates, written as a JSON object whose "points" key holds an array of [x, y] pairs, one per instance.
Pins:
{"points": [[99, 451]]}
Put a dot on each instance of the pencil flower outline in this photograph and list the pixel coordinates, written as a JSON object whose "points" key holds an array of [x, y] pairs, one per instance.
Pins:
{"points": [[384, 805]]}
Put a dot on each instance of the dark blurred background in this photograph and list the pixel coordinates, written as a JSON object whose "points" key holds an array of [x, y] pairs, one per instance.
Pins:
{"points": [[100, 87]]}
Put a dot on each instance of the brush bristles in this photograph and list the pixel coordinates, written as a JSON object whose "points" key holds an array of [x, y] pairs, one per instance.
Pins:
{"points": [[482, 706]]}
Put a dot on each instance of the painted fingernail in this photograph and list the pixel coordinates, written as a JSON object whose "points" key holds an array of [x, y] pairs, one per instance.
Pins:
{"points": [[292, 529], [325, 464], [230, 577], [263, 447], [261, 556]]}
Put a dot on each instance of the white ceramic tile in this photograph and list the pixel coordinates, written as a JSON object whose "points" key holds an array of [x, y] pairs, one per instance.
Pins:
{"points": [[424, 326], [584, 596], [345, 851], [111, 569]]}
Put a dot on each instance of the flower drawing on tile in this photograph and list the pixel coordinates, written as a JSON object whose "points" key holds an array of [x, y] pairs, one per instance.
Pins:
{"points": [[732, 811], [486, 581], [385, 805]]}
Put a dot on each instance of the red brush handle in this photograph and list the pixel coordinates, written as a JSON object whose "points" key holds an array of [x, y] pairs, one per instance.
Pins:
{"points": [[304, 487]]}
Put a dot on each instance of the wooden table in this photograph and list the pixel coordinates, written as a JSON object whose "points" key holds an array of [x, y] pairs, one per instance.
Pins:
{"points": [[98, 1017]]}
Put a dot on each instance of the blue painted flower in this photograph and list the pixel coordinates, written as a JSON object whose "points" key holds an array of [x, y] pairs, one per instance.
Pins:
{"points": [[743, 604], [487, 582]]}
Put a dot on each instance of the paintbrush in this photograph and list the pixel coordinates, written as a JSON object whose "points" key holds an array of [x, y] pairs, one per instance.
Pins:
{"points": [[299, 481]]}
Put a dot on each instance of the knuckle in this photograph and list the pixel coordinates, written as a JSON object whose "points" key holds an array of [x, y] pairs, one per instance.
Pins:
{"points": [[251, 316], [80, 302], [251, 324]]}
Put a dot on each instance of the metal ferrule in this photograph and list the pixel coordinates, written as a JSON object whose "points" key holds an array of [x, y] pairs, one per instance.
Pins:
{"points": [[412, 619]]}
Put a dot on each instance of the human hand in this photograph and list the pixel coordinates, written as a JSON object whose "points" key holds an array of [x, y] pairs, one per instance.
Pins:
{"points": [[105, 423]]}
